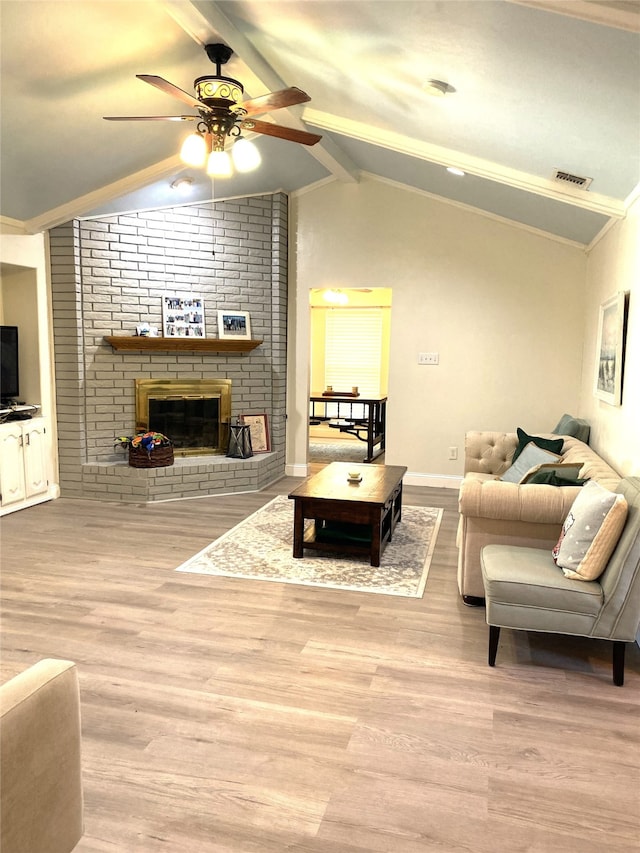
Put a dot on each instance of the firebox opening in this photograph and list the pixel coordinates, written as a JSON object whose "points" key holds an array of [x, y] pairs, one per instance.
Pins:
{"points": [[189, 422], [193, 413]]}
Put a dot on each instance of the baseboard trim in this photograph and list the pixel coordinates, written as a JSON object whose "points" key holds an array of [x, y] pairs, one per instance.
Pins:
{"points": [[433, 480], [296, 470]]}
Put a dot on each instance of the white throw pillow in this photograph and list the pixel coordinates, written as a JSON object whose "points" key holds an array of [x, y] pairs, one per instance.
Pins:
{"points": [[531, 456], [590, 532]]}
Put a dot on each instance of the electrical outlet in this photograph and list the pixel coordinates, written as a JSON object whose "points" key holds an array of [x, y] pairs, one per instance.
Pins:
{"points": [[428, 358], [453, 453]]}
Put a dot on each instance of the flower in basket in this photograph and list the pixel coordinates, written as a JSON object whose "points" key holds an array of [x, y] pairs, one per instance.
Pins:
{"points": [[144, 440]]}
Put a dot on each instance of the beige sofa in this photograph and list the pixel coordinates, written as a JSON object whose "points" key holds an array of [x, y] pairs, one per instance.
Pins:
{"points": [[41, 803], [497, 512]]}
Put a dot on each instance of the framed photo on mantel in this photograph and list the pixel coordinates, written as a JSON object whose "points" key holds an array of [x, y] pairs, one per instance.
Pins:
{"points": [[182, 316], [234, 325]]}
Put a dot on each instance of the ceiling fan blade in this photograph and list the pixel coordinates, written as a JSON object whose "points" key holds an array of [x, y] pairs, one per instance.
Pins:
{"points": [[281, 132], [150, 118], [275, 101], [170, 89]]}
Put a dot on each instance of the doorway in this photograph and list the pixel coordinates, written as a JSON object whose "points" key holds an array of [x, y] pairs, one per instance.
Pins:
{"points": [[349, 341]]}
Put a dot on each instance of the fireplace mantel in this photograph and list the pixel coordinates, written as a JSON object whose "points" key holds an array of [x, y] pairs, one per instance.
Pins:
{"points": [[140, 342]]}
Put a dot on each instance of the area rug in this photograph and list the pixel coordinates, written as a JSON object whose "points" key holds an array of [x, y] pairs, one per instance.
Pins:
{"points": [[260, 548], [337, 451]]}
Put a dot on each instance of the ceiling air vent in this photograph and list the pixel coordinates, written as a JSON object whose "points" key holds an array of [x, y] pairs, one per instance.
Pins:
{"points": [[576, 181]]}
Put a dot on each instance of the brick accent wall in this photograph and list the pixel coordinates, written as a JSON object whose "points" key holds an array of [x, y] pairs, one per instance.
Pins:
{"points": [[108, 275]]}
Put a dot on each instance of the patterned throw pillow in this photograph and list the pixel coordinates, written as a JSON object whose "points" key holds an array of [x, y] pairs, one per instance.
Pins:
{"points": [[590, 532], [529, 458]]}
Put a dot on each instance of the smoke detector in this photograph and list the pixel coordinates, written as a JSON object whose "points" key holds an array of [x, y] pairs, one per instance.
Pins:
{"points": [[576, 181]]}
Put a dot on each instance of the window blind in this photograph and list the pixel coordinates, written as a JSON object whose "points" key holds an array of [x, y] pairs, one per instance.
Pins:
{"points": [[353, 349]]}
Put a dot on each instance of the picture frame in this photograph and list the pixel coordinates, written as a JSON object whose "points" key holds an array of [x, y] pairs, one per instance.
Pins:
{"points": [[609, 360], [234, 325], [182, 316], [259, 430]]}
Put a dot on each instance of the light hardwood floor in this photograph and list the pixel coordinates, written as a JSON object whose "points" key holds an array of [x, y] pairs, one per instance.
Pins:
{"points": [[232, 716]]}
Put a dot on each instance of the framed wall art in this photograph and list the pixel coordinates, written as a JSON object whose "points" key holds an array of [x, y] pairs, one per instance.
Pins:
{"points": [[610, 349], [259, 430], [182, 316], [234, 324]]}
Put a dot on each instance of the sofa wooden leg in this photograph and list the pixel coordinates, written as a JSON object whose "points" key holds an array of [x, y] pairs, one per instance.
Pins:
{"points": [[618, 662], [494, 636]]}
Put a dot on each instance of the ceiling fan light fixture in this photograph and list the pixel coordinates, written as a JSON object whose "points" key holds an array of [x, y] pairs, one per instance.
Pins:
{"points": [[194, 150], [437, 88], [219, 164], [222, 115], [245, 155]]}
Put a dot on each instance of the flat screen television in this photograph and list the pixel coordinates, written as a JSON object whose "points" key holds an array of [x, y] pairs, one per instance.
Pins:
{"points": [[9, 375]]}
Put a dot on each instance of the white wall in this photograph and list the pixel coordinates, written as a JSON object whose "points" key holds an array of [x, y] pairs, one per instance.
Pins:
{"points": [[504, 308], [614, 265]]}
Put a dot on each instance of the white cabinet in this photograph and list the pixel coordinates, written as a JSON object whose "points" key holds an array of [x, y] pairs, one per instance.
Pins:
{"points": [[23, 464]]}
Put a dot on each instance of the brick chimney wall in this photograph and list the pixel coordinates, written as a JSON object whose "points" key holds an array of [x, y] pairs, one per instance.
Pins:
{"points": [[108, 276]]}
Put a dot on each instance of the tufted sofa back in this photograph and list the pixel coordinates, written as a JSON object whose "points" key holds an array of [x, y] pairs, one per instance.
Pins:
{"points": [[488, 452]]}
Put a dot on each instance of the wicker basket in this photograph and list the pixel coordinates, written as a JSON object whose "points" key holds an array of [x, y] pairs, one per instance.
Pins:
{"points": [[160, 456]]}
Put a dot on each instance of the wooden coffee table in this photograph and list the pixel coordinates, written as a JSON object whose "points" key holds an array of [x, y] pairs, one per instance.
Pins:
{"points": [[349, 518]]}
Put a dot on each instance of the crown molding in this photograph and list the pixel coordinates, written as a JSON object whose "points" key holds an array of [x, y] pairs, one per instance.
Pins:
{"points": [[472, 165], [12, 226], [621, 15]]}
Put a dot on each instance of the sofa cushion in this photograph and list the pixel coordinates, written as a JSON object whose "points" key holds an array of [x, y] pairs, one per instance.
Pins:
{"points": [[590, 532], [554, 445], [531, 456]]}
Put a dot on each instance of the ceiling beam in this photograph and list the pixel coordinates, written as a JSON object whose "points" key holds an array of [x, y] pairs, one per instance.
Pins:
{"points": [[473, 165], [204, 23]]}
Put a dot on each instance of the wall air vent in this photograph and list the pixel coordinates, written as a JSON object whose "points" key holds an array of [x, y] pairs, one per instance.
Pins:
{"points": [[576, 181]]}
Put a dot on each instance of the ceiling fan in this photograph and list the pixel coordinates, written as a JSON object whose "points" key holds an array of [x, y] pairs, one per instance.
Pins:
{"points": [[223, 115]]}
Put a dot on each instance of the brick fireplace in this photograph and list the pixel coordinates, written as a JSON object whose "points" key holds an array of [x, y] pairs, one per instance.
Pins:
{"points": [[109, 275]]}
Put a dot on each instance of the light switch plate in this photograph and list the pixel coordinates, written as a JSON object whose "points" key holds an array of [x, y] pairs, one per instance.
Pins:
{"points": [[428, 358]]}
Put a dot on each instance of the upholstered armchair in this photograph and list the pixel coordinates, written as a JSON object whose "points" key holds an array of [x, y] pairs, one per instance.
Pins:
{"points": [[525, 590], [41, 808]]}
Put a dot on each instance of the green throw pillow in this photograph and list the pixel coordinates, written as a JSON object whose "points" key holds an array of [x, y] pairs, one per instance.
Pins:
{"points": [[551, 478], [566, 470], [553, 445]]}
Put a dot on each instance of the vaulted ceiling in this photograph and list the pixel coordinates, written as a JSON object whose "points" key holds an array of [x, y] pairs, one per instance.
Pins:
{"points": [[540, 86]]}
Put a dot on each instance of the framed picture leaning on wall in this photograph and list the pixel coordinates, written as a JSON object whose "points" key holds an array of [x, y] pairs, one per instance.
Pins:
{"points": [[234, 324], [610, 349], [259, 430]]}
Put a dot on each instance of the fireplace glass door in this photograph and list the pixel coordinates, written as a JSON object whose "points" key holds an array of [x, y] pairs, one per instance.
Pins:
{"points": [[193, 413], [190, 422]]}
